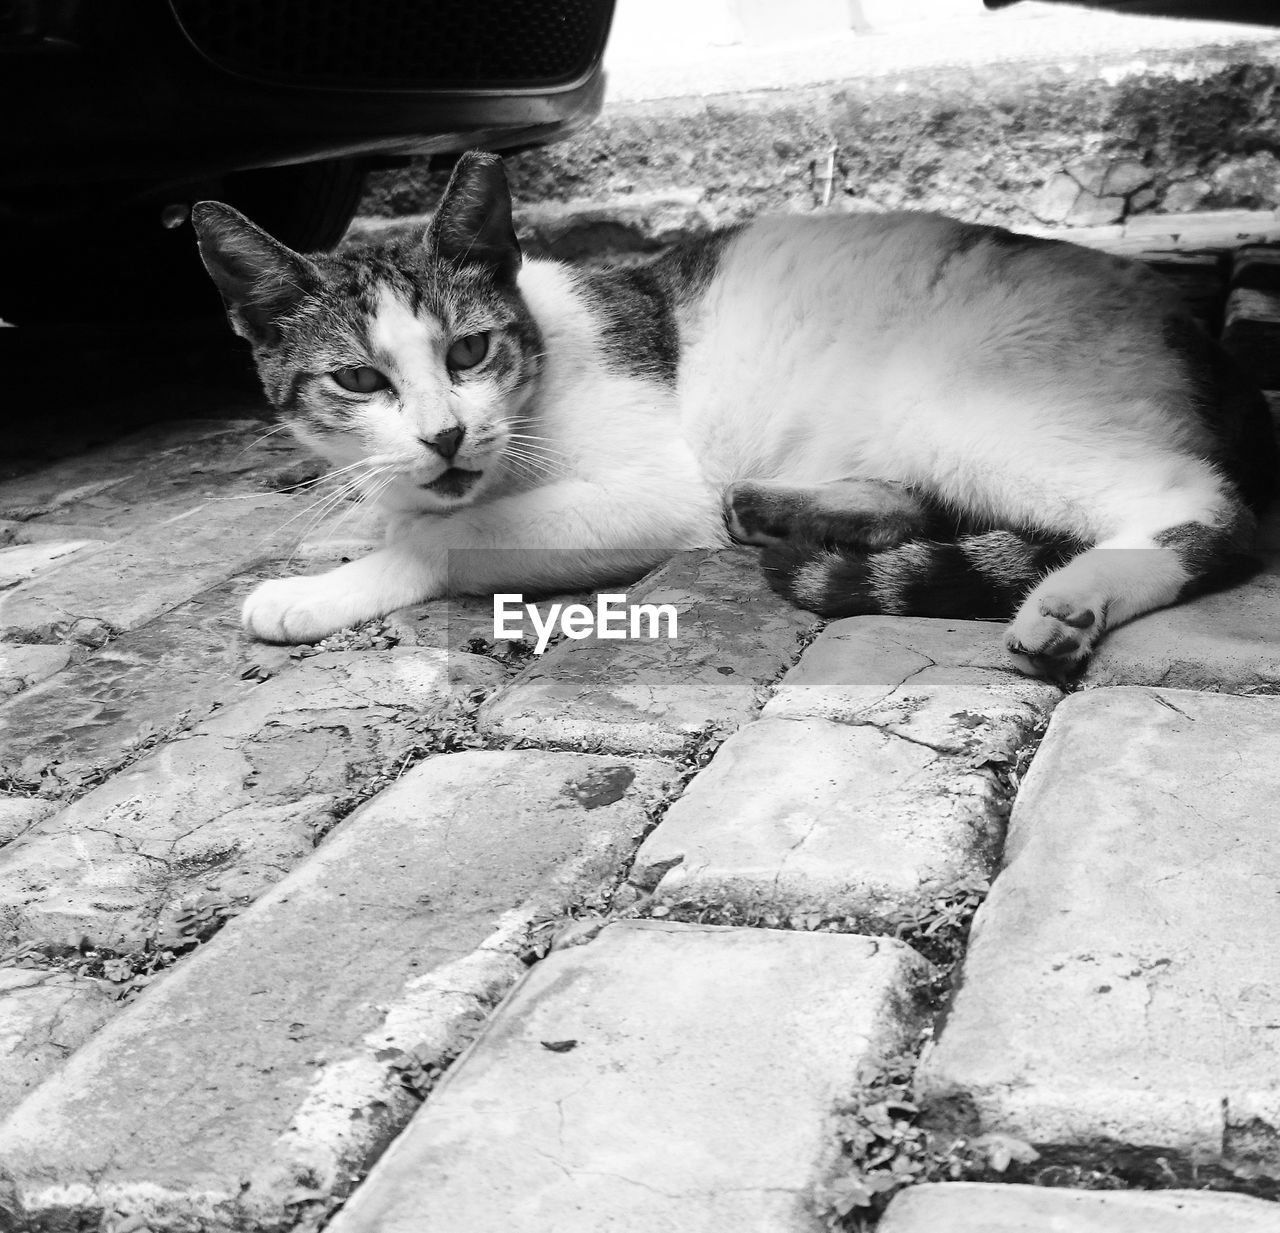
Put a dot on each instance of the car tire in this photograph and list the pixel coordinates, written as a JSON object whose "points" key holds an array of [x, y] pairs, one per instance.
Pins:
{"points": [[307, 207], [115, 262]]}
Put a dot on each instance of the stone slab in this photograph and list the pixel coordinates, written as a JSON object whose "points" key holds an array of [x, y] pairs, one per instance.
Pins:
{"points": [[20, 562], [663, 1077], [230, 807], [976, 1207], [655, 695], [870, 783], [150, 475], [147, 682], [25, 664], [1118, 988], [44, 1018], [19, 813], [146, 573], [250, 1087]]}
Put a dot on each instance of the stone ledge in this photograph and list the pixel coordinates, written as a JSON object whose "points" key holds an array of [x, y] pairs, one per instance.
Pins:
{"points": [[1084, 143]]}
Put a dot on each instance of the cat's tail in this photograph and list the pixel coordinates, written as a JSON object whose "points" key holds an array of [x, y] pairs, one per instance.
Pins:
{"points": [[971, 577]]}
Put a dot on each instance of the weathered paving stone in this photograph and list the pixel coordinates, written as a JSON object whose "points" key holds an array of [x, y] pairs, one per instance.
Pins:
{"points": [[20, 562], [661, 1077], [231, 807], [974, 1207], [146, 683], [1226, 642], [123, 487], [870, 783], [255, 1082], [24, 665], [1118, 988], [147, 572], [19, 814], [44, 1017], [654, 695]]}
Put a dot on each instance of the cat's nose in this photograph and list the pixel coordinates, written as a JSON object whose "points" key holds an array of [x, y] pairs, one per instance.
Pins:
{"points": [[446, 443]]}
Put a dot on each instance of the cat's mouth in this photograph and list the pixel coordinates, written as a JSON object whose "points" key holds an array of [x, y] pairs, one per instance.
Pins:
{"points": [[455, 482]]}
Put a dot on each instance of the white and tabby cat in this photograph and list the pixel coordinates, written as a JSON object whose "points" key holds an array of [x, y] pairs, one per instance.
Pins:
{"points": [[909, 415]]}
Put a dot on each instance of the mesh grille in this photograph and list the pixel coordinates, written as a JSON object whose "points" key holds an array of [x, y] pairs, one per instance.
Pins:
{"points": [[448, 44]]}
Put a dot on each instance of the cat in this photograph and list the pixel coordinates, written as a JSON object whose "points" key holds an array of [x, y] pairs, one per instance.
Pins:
{"points": [[905, 413]]}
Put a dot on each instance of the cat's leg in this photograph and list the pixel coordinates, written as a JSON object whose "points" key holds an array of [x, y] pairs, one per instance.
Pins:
{"points": [[293, 610], [569, 534], [866, 515], [1138, 569]]}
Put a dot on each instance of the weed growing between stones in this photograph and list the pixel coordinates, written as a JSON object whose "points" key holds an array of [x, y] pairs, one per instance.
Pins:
{"points": [[883, 1147]]}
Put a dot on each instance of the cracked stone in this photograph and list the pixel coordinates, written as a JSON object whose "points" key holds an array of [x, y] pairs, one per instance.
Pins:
{"points": [[290, 1045], [1252, 180], [1119, 946], [654, 695], [25, 665], [1186, 195], [145, 682], [232, 806], [976, 1207], [152, 475], [690, 1086], [1125, 177], [44, 1018], [149, 571], [21, 813], [869, 782], [1091, 211], [24, 561], [1055, 201]]}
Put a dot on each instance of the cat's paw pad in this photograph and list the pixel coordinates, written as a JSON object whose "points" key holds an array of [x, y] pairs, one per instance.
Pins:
{"points": [[1052, 636], [756, 514], [292, 610]]}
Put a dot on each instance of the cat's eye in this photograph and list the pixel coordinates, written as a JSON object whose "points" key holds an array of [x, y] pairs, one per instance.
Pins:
{"points": [[361, 380], [467, 352]]}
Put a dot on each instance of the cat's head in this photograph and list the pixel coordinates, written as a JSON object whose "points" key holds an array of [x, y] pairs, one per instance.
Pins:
{"points": [[413, 362]]}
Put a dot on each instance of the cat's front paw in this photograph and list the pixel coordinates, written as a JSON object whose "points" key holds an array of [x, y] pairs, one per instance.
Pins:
{"points": [[293, 610], [1053, 636]]}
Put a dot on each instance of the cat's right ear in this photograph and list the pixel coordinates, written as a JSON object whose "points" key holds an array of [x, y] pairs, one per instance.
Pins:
{"points": [[473, 223], [259, 277]]}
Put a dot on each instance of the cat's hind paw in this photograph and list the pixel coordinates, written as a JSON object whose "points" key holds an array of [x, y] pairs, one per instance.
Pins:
{"points": [[759, 515], [293, 610], [855, 515], [1053, 636]]}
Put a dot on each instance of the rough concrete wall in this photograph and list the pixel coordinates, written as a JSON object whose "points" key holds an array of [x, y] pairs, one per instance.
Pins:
{"points": [[1081, 145]]}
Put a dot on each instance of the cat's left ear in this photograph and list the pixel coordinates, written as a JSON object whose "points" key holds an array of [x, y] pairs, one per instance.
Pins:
{"points": [[259, 277], [473, 223]]}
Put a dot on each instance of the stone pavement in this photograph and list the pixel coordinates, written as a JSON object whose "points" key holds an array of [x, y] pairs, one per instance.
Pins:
{"points": [[411, 930]]}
